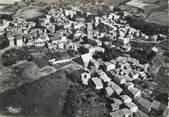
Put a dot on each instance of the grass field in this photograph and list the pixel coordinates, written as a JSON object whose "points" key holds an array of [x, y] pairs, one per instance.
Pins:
{"points": [[9, 1]]}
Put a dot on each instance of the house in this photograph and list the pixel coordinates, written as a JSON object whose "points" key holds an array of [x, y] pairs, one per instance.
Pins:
{"points": [[155, 49], [96, 49], [113, 73], [30, 43], [55, 39], [39, 42], [125, 40], [61, 45], [126, 112], [100, 72], [121, 113], [144, 104], [19, 42], [119, 79], [121, 59], [134, 92], [132, 60], [83, 60], [105, 78], [85, 78], [132, 107], [70, 13], [147, 93], [94, 63], [129, 85], [52, 60], [98, 83], [63, 39], [109, 91], [79, 26], [36, 31], [113, 61], [91, 49], [117, 101], [97, 21], [73, 46], [128, 78], [50, 27], [60, 61], [99, 49], [11, 41], [115, 87], [115, 107], [94, 42], [127, 47], [155, 105], [126, 99], [99, 43], [89, 30], [116, 114], [108, 66], [134, 74]]}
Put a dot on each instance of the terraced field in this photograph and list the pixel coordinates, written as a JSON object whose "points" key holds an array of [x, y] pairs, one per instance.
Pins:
{"points": [[29, 13]]}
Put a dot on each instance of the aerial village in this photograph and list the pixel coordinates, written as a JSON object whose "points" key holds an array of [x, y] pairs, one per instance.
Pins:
{"points": [[89, 36]]}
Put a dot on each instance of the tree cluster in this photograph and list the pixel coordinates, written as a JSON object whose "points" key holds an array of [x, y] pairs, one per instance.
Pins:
{"points": [[11, 56], [110, 54], [145, 27], [3, 42]]}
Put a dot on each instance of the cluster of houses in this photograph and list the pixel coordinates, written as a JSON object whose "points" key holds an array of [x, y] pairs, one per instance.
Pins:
{"points": [[72, 29], [59, 25], [116, 79], [99, 78]]}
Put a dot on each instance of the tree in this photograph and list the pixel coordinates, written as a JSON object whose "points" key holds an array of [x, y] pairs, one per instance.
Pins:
{"points": [[70, 106], [74, 76], [146, 27], [3, 42], [110, 54]]}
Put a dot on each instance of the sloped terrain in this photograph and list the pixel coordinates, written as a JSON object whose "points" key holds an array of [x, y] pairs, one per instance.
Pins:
{"points": [[44, 97]]}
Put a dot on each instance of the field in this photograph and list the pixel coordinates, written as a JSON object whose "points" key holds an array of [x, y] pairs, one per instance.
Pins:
{"points": [[29, 13], [9, 1], [137, 3], [159, 18], [4, 3], [147, 5], [155, 10]]}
